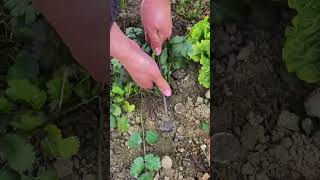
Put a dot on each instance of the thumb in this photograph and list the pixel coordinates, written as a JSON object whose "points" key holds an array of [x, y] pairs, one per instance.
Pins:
{"points": [[163, 86], [155, 41]]}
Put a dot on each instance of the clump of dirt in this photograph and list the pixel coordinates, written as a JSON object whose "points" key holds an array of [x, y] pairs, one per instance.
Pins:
{"points": [[261, 107]]}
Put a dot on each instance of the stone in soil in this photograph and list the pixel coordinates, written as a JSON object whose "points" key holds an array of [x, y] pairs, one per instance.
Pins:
{"points": [[288, 120], [167, 126], [207, 95], [312, 104], [307, 126], [179, 108], [166, 162], [226, 147], [63, 167]]}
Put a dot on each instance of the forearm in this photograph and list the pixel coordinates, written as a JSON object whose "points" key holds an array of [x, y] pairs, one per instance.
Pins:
{"points": [[82, 25], [123, 48]]}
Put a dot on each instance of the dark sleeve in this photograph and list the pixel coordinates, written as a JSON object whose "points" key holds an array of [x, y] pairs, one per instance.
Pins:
{"points": [[84, 26], [114, 9]]}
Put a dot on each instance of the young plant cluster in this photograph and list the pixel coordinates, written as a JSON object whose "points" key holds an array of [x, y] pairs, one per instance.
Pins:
{"points": [[144, 167], [199, 36], [33, 97], [301, 51]]}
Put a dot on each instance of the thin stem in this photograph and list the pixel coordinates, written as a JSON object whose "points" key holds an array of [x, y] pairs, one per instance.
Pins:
{"points": [[142, 126], [65, 75]]}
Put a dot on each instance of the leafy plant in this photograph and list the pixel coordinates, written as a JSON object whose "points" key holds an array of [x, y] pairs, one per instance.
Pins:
{"points": [[146, 165], [24, 90], [151, 137], [57, 146], [199, 36], [301, 51], [135, 140], [22, 8], [191, 10], [17, 152]]}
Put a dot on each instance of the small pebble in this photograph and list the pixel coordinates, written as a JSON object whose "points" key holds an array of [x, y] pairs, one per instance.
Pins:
{"points": [[166, 162], [207, 95]]}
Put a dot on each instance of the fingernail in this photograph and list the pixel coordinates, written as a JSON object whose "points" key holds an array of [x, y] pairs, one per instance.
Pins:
{"points": [[157, 51], [167, 92]]}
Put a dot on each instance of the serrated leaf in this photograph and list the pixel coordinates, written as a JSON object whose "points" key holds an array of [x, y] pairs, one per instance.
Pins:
{"points": [[115, 110], [137, 167], [8, 174], [123, 124], [17, 152], [23, 90], [4, 105], [27, 121], [135, 140], [146, 176], [152, 162], [57, 146], [22, 8], [24, 67], [128, 107], [151, 137], [117, 90]]}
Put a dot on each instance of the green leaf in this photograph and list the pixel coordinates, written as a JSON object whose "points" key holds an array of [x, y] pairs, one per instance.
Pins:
{"points": [[146, 176], [22, 8], [301, 49], [128, 107], [4, 105], [17, 152], [55, 87], [27, 121], [115, 110], [24, 67], [23, 90], [204, 126], [152, 162], [117, 90], [83, 90], [113, 122], [8, 174], [123, 124], [57, 146], [135, 140], [137, 167], [151, 137]]}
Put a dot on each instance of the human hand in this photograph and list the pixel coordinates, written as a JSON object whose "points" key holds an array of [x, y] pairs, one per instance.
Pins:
{"points": [[141, 67], [157, 22]]}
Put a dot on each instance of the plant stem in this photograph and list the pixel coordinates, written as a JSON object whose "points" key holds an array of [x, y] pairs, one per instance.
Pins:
{"points": [[65, 75], [142, 126]]}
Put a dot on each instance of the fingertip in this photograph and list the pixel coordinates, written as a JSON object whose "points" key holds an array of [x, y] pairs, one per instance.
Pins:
{"points": [[167, 92], [158, 51]]}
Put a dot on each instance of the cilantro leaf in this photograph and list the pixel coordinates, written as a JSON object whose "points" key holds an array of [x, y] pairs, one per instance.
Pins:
{"points": [[146, 176], [27, 121], [128, 107]]}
